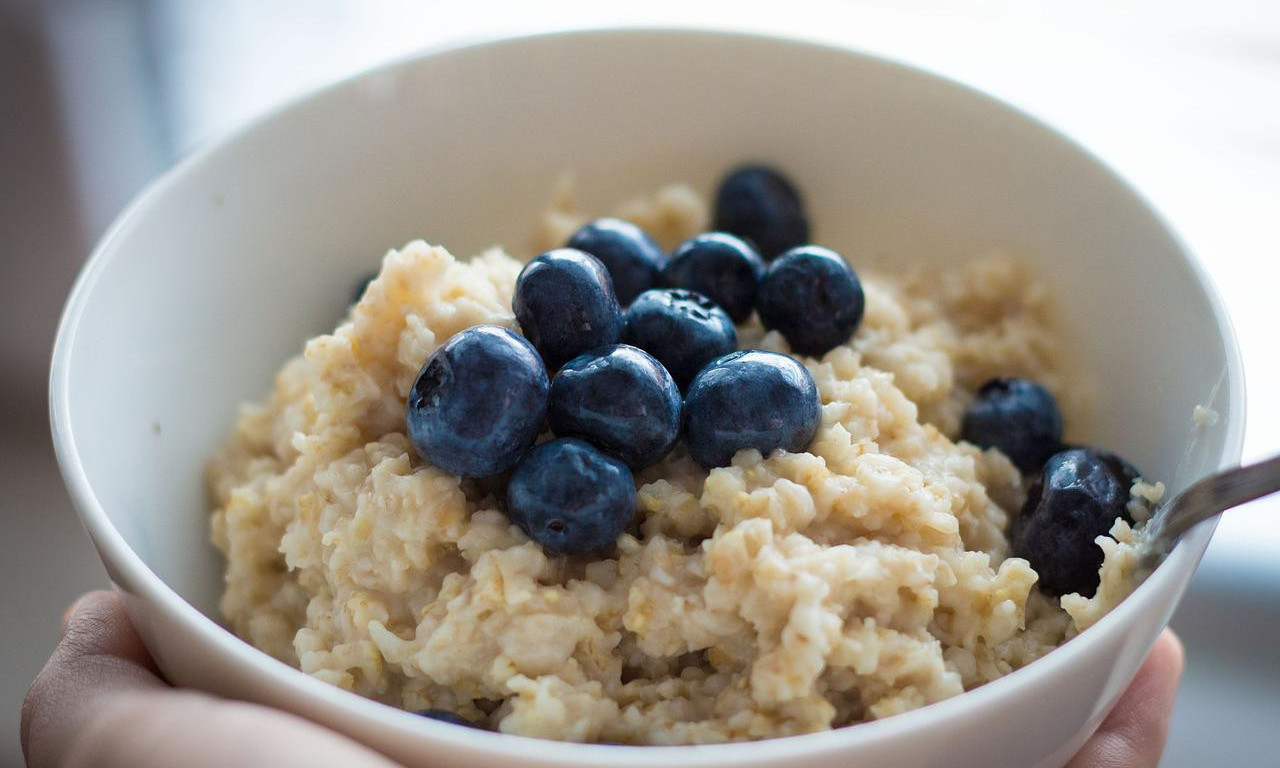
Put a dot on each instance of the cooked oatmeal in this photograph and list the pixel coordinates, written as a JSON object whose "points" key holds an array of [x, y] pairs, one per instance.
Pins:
{"points": [[782, 594]]}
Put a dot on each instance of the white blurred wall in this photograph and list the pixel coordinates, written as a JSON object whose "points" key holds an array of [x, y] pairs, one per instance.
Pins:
{"points": [[44, 558]]}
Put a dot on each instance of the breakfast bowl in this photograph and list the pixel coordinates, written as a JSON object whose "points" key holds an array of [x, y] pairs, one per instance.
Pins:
{"points": [[226, 265]]}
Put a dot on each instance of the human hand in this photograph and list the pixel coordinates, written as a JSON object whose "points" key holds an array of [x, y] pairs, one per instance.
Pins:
{"points": [[100, 703]]}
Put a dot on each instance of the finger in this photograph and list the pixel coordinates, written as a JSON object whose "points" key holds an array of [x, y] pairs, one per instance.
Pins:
{"points": [[147, 730], [96, 625], [99, 703], [99, 653], [1133, 735]]}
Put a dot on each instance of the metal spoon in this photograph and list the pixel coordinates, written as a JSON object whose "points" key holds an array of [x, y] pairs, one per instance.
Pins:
{"points": [[1210, 496]]}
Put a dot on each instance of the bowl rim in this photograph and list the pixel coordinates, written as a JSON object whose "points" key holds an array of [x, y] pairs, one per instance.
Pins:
{"points": [[131, 574]]}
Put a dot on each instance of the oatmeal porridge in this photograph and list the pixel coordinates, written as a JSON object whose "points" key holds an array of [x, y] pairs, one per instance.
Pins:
{"points": [[865, 576]]}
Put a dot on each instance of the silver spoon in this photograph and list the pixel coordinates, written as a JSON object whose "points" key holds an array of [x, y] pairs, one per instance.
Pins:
{"points": [[1208, 497]]}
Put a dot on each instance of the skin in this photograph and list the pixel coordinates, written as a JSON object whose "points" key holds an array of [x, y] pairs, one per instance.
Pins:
{"points": [[100, 703]]}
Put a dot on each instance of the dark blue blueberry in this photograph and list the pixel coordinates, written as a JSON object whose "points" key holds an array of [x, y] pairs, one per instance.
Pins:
{"points": [[621, 400], [445, 716], [759, 203], [750, 399], [1126, 474], [362, 286], [633, 259], [1076, 498], [720, 266], [813, 297], [479, 402], [683, 329], [570, 497], [1017, 416], [565, 305]]}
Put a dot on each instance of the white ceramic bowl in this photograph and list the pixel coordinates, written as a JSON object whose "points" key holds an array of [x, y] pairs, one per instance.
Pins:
{"points": [[216, 275]]}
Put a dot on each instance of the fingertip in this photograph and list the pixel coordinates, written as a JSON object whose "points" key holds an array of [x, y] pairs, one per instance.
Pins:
{"points": [[99, 658], [1170, 641], [87, 601], [97, 625], [1133, 733], [1167, 659]]}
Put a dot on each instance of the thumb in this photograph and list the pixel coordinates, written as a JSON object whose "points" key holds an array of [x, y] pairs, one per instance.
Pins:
{"points": [[99, 654], [100, 702], [1133, 735]]}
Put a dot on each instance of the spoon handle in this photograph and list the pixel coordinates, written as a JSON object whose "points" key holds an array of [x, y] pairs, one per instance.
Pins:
{"points": [[1207, 498]]}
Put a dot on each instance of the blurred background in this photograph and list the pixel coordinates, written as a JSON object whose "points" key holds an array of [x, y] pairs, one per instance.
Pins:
{"points": [[1181, 96]]}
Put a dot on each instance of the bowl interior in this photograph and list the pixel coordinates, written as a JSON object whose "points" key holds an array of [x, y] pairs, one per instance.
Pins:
{"points": [[220, 273]]}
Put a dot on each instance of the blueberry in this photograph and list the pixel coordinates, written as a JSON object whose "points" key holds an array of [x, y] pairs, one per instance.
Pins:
{"points": [[1017, 416], [1076, 498], [1125, 472], [750, 399], [478, 403], [720, 266], [445, 716], [633, 259], [570, 497], [813, 297], [621, 400], [759, 203], [565, 304], [683, 329], [362, 286]]}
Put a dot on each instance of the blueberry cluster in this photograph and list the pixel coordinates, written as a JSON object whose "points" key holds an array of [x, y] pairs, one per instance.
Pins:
{"points": [[1076, 493], [623, 351]]}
